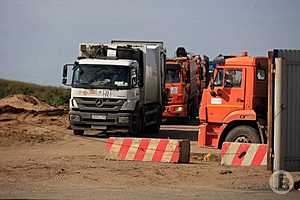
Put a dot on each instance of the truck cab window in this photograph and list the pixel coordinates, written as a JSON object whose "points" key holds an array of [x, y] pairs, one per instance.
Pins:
{"points": [[173, 73], [219, 78], [101, 76], [233, 78]]}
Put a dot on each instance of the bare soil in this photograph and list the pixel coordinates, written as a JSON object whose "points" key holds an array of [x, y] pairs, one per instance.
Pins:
{"points": [[39, 153]]}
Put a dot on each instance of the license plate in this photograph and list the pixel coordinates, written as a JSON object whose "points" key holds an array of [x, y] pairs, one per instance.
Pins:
{"points": [[103, 117], [98, 127]]}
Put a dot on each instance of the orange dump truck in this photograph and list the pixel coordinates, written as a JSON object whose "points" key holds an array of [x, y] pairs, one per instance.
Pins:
{"points": [[234, 106], [184, 81]]}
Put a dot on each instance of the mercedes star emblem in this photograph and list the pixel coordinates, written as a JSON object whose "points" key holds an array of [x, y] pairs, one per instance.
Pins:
{"points": [[99, 103]]}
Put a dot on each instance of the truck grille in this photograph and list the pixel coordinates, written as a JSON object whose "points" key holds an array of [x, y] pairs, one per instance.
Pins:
{"points": [[98, 104]]}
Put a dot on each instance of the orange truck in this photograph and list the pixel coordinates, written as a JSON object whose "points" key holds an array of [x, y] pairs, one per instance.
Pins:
{"points": [[183, 83], [234, 106]]}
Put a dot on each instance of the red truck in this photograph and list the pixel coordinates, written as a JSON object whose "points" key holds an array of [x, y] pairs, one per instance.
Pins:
{"points": [[234, 106], [183, 81]]}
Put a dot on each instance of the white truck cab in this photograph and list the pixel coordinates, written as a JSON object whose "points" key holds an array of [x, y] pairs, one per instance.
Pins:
{"points": [[110, 89]]}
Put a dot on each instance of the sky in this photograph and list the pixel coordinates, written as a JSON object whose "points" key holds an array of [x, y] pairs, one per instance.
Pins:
{"points": [[38, 37]]}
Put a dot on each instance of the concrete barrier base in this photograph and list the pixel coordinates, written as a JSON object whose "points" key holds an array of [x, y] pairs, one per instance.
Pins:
{"points": [[148, 149], [244, 154]]}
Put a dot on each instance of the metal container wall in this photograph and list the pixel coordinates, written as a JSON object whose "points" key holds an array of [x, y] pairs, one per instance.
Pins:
{"points": [[152, 76], [289, 109], [154, 68]]}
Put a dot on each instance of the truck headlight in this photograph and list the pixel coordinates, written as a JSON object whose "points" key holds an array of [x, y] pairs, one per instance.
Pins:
{"points": [[75, 118], [123, 120], [179, 109]]}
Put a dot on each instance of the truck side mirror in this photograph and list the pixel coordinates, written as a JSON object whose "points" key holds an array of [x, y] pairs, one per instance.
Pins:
{"points": [[134, 80], [212, 87], [212, 84], [65, 74]]}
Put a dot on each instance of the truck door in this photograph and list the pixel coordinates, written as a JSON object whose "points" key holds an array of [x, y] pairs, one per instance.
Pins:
{"points": [[229, 94]]}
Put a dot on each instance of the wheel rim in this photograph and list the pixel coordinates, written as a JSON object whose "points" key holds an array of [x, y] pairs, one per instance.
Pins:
{"points": [[242, 139]]}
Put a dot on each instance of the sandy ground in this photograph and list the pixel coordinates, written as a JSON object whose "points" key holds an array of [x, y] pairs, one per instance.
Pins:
{"points": [[42, 159]]}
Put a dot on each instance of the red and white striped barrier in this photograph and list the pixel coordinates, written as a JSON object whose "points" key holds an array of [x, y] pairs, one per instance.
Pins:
{"points": [[148, 149], [244, 154]]}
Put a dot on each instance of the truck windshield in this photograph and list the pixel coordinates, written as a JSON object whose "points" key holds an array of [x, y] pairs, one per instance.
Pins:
{"points": [[172, 73], [101, 76]]}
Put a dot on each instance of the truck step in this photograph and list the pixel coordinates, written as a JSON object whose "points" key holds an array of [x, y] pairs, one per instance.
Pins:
{"points": [[211, 133]]}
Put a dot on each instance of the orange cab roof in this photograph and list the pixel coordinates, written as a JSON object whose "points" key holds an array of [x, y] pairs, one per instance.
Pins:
{"points": [[242, 60]]}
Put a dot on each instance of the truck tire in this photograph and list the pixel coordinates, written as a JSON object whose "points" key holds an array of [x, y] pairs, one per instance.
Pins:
{"points": [[192, 110], [154, 129], [78, 132], [243, 134]]}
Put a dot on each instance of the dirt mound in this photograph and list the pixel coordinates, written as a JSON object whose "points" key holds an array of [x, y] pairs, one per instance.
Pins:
{"points": [[26, 119], [25, 102]]}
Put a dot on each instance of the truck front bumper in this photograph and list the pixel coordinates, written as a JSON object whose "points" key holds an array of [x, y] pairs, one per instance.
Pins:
{"points": [[100, 121], [175, 111]]}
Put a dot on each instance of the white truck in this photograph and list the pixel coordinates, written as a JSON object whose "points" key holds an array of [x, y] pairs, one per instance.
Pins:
{"points": [[117, 87]]}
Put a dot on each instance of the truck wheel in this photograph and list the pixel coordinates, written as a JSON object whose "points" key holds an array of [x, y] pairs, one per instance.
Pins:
{"points": [[78, 132], [153, 129], [243, 134]]}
